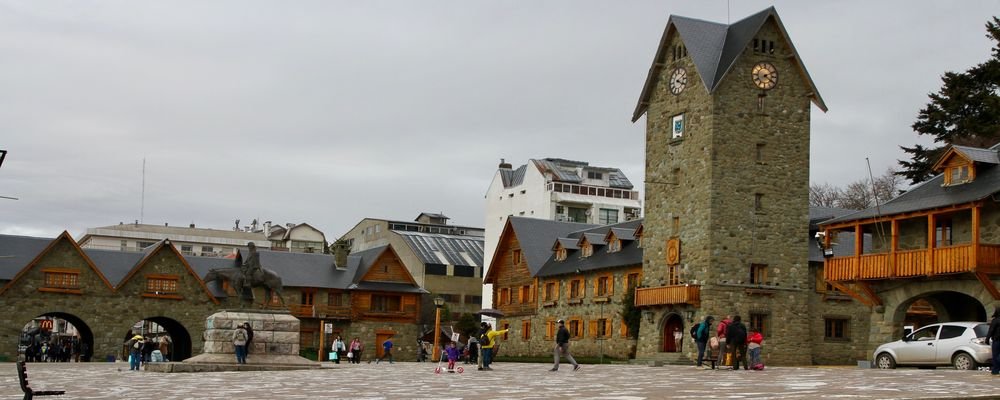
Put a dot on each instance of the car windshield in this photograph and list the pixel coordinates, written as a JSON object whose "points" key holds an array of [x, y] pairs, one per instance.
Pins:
{"points": [[981, 330]]}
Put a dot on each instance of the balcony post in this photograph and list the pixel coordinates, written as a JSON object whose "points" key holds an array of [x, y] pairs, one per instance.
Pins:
{"points": [[975, 238], [931, 242], [892, 250], [859, 241]]}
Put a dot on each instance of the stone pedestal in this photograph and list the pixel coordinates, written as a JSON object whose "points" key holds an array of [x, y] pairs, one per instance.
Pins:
{"points": [[275, 344]]}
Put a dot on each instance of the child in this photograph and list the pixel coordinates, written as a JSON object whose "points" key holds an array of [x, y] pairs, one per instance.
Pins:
{"points": [[452, 356], [755, 340]]}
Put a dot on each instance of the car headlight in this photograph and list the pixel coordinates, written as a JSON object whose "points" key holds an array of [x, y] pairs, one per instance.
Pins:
{"points": [[981, 341]]}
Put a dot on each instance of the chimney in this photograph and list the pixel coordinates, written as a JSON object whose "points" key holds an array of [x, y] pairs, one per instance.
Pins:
{"points": [[192, 225], [340, 252], [267, 228], [504, 165]]}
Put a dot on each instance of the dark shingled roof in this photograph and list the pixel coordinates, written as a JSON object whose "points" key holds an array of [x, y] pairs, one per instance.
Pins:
{"points": [[714, 49], [17, 251], [931, 194], [624, 234], [537, 235], [630, 254], [304, 269], [978, 155], [115, 265]]}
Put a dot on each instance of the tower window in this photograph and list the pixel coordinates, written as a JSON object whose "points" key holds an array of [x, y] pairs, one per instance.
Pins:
{"points": [[763, 46], [758, 274], [759, 156], [758, 201]]}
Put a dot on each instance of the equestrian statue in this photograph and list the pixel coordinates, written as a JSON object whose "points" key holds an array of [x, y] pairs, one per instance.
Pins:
{"points": [[248, 276]]}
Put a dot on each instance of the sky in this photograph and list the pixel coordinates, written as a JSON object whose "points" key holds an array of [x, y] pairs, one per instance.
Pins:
{"points": [[328, 112]]}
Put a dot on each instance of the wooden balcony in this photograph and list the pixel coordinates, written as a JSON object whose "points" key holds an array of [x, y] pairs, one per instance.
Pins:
{"points": [[333, 312], [663, 295], [302, 310], [984, 258]]}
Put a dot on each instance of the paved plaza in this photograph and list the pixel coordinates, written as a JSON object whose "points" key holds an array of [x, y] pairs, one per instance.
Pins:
{"points": [[407, 380]]}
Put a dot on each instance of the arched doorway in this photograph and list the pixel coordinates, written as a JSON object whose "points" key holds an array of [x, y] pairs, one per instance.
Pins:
{"points": [[940, 306], [671, 326], [154, 328], [66, 335]]}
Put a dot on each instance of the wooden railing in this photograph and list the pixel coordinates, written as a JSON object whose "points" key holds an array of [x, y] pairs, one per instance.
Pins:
{"points": [[913, 263], [301, 310], [338, 312], [688, 294]]}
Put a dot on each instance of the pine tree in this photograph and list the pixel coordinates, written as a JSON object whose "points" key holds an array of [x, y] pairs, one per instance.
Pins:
{"points": [[966, 111]]}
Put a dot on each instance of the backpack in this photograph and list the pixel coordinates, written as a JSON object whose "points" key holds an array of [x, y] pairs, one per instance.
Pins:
{"points": [[484, 340], [241, 335], [136, 344], [694, 331]]}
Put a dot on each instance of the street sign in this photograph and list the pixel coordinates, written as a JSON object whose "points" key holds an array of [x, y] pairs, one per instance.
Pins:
{"points": [[455, 336], [328, 328]]}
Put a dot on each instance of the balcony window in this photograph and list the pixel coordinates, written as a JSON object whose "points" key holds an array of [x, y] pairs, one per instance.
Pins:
{"points": [[607, 216], [673, 274], [758, 274], [307, 297], [603, 286], [386, 303], [551, 291]]}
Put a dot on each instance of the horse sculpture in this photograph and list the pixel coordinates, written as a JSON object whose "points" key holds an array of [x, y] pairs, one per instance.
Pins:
{"points": [[264, 278]]}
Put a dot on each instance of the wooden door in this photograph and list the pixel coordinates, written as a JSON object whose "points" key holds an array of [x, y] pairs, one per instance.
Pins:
{"points": [[379, 339], [673, 324]]}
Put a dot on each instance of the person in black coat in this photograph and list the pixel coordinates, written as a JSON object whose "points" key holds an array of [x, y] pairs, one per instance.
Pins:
{"points": [[736, 339], [993, 336]]}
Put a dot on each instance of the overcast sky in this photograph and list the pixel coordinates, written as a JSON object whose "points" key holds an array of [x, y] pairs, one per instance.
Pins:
{"points": [[329, 112]]}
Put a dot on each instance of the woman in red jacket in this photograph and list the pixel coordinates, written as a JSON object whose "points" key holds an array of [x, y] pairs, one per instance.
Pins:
{"points": [[755, 339]]}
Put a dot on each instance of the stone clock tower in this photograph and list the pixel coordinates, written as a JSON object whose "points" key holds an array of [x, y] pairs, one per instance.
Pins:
{"points": [[727, 183]]}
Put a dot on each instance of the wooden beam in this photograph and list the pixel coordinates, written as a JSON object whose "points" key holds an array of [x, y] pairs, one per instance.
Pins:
{"points": [[894, 242], [859, 240], [931, 242], [990, 287], [843, 288], [975, 237], [908, 215], [865, 287]]}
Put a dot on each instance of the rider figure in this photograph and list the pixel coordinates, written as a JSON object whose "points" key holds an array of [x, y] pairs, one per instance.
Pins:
{"points": [[251, 267]]}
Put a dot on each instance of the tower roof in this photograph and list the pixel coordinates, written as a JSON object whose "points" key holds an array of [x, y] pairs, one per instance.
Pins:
{"points": [[714, 49]]}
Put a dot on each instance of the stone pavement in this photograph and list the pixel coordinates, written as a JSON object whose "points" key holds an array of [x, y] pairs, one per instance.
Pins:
{"points": [[407, 380]]}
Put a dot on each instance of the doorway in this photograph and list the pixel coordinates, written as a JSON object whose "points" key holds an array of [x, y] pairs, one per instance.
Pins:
{"points": [[671, 327]]}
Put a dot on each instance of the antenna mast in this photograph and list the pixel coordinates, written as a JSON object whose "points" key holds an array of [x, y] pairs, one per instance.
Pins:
{"points": [[142, 197]]}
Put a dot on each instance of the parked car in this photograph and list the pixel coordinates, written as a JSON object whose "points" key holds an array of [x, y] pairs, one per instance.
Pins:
{"points": [[961, 344]]}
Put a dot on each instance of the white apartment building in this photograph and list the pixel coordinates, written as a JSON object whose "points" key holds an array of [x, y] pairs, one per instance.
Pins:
{"points": [[560, 190], [205, 242]]}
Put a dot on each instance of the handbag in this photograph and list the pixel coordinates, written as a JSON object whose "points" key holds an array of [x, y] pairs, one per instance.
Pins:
{"points": [[350, 354], [333, 355]]}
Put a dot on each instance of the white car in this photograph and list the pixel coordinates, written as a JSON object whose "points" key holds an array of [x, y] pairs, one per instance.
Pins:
{"points": [[961, 344]]}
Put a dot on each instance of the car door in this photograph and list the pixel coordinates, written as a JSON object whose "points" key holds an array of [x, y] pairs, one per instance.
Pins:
{"points": [[949, 339], [920, 347]]}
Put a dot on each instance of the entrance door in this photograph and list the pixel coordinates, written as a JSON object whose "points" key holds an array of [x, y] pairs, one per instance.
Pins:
{"points": [[672, 325], [379, 339]]}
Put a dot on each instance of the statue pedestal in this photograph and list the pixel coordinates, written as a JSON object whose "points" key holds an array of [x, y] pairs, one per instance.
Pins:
{"points": [[275, 344]]}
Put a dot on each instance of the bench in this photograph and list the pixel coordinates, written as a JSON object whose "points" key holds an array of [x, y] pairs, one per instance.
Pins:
{"points": [[29, 393]]}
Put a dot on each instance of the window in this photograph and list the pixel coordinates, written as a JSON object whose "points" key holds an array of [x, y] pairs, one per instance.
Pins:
{"points": [[575, 328], [677, 225], [161, 284], [386, 303], [62, 279], [526, 329], [759, 321], [758, 274], [451, 298], [308, 296], [560, 210], [929, 333], [836, 328], [124, 245], [677, 126], [516, 256], [335, 299], [607, 216], [673, 274], [759, 156], [560, 254], [575, 287], [504, 296], [957, 175], [603, 286], [187, 250], [470, 299], [763, 46], [632, 280], [951, 331], [586, 250], [594, 175], [550, 329], [551, 291], [464, 270], [758, 201], [943, 232], [435, 269], [207, 250], [525, 294], [603, 327], [506, 326], [143, 245], [615, 245]]}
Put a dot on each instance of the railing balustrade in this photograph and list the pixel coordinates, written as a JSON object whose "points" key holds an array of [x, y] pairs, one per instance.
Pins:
{"points": [[681, 294], [913, 263]]}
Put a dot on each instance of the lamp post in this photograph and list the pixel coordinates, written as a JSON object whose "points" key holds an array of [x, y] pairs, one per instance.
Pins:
{"points": [[601, 337], [438, 302]]}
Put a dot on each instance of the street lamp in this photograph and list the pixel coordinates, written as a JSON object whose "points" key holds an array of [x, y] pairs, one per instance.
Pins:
{"points": [[603, 332], [438, 302]]}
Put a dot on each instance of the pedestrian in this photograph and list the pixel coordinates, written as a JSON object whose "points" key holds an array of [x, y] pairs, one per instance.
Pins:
{"points": [[354, 350], [701, 339], [720, 333], [386, 351], [165, 347], [147, 350], [452, 352], [678, 339], [562, 347], [338, 347], [753, 346], [240, 344], [487, 342], [473, 350], [993, 336], [736, 339], [134, 346], [246, 325]]}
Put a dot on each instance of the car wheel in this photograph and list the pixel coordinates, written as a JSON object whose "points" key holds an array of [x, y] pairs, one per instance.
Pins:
{"points": [[885, 361], [963, 361]]}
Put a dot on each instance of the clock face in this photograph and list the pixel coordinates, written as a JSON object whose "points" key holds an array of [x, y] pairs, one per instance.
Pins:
{"points": [[678, 80], [764, 75]]}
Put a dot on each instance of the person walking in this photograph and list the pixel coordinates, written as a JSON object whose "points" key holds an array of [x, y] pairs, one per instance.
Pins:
{"points": [[240, 344], [134, 346], [386, 351], [354, 351], [487, 341], [993, 336], [338, 347], [562, 347], [736, 339], [701, 338], [473, 349], [165, 347]]}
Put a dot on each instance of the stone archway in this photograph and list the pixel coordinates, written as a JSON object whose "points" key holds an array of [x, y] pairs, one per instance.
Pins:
{"points": [[180, 339], [670, 323], [947, 306], [86, 335], [948, 301]]}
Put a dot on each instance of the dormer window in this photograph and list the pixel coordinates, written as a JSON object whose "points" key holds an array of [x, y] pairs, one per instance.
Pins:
{"points": [[586, 250], [560, 254], [615, 245], [957, 174]]}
